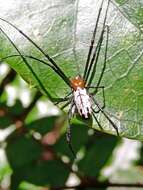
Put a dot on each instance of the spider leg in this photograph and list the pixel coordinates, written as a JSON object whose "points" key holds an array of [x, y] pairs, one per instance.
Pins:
{"points": [[65, 105], [70, 115], [66, 98], [93, 113], [61, 73], [68, 133], [105, 60], [103, 93], [34, 58], [59, 100], [90, 73], [56, 100], [92, 42], [27, 64], [93, 63], [107, 117]]}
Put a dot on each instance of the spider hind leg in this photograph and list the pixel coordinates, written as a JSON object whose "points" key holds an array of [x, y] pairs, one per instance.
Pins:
{"points": [[106, 116], [68, 133]]}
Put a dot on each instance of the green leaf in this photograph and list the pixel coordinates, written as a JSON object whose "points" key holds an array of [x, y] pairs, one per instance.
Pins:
{"points": [[97, 158], [28, 186], [42, 125], [22, 151], [8, 113], [63, 29], [53, 173], [79, 137]]}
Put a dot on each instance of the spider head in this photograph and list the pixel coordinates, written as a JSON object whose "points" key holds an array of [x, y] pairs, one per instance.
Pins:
{"points": [[77, 82]]}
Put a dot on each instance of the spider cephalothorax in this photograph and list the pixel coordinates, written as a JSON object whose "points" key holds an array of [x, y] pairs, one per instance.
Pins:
{"points": [[77, 82]]}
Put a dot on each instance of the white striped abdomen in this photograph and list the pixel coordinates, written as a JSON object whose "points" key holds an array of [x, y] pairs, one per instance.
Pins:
{"points": [[82, 102]]}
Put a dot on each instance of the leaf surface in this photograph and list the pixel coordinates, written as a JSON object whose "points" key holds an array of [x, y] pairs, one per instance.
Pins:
{"points": [[63, 29]]}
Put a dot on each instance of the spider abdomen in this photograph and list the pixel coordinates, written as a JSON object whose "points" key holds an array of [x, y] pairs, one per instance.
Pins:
{"points": [[82, 102]]}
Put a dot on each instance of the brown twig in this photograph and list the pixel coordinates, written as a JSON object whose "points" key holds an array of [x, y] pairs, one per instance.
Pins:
{"points": [[8, 79], [99, 185]]}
